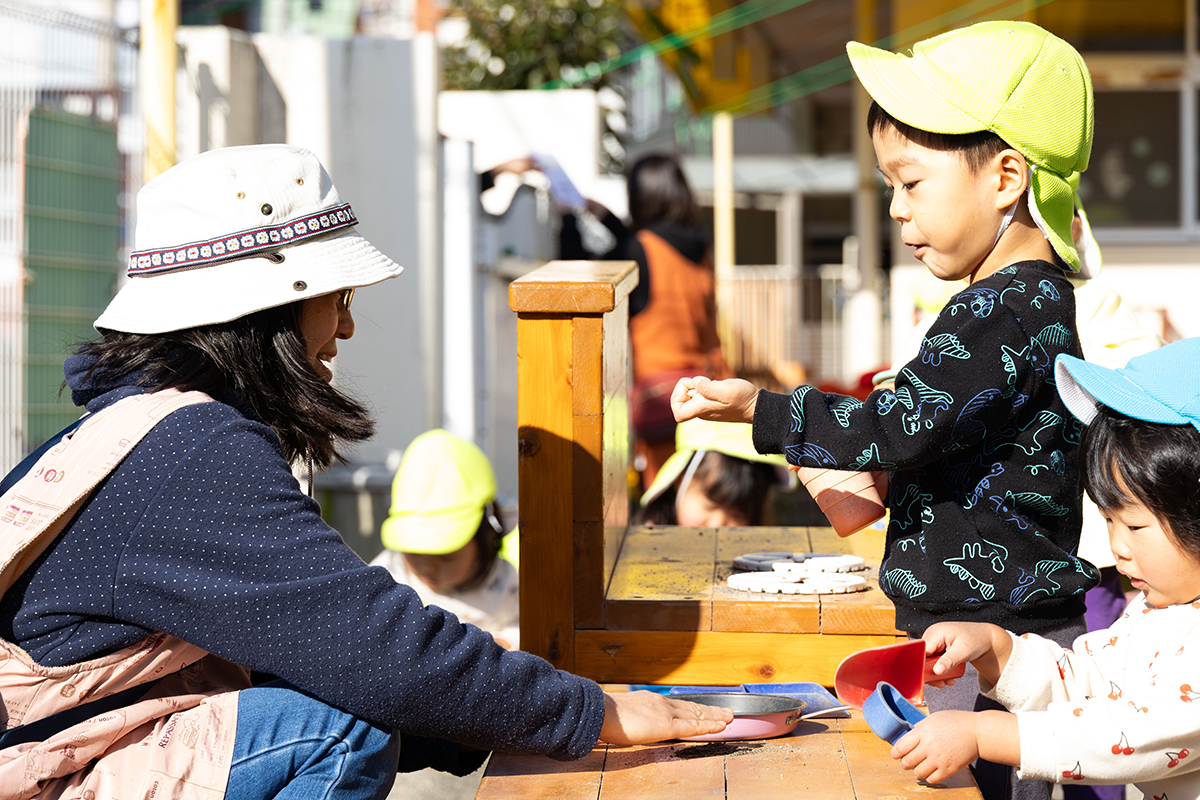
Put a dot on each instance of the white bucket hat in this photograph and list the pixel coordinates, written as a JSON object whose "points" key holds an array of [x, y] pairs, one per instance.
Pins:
{"points": [[236, 230]]}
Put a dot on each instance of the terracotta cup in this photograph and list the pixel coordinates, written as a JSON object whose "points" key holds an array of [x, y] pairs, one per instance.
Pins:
{"points": [[851, 500]]}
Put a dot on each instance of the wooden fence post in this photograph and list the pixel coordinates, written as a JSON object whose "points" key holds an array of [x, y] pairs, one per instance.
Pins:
{"points": [[573, 444]]}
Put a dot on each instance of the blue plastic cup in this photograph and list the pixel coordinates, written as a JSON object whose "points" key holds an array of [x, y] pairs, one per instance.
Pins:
{"points": [[889, 713]]}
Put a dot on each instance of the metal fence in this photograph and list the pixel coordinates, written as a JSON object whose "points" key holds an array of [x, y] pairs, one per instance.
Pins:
{"points": [[69, 64], [781, 328]]}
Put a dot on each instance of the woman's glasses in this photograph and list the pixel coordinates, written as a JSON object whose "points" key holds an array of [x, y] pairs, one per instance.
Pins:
{"points": [[345, 297]]}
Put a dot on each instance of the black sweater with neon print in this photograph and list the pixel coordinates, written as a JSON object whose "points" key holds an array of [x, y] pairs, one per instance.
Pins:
{"points": [[984, 496]]}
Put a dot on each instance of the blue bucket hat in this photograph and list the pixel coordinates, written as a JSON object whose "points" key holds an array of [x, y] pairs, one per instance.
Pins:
{"points": [[1161, 386]]}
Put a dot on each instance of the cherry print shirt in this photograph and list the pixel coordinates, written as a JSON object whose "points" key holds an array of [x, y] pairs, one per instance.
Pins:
{"points": [[1121, 706]]}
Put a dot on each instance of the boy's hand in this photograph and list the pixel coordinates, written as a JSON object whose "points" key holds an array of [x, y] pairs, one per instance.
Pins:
{"points": [[986, 646], [939, 745], [645, 717], [731, 400]]}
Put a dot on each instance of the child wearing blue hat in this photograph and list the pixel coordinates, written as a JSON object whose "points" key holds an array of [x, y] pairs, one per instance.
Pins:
{"points": [[1117, 706]]}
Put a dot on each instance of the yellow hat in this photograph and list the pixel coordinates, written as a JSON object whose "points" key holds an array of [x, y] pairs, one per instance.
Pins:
{"points": [[438, 495], [698, 435], [1021, 82]]}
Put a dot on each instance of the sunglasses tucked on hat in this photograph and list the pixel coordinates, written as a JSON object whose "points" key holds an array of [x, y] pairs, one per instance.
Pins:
{"points": [[1015, 79], [1161, 386], [696, 437], [438, 495], [237, 230]]}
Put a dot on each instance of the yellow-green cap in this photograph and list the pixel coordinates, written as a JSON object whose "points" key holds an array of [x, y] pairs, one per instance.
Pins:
{"points": [[438, 495], [731, 438], [1015, 79]]}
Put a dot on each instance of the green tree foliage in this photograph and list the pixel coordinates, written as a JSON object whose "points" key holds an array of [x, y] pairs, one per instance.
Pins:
{"points": [[521, 44]]}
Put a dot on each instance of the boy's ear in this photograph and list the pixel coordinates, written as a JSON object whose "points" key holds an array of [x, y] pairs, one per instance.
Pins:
{"points": [[1012, 174]]}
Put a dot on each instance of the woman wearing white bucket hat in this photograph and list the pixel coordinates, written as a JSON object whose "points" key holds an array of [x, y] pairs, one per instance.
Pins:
{"points": [[154, 555]]}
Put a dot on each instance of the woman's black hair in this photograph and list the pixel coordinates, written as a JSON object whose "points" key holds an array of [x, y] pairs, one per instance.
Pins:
{"points": [[262, 358], [659, 192], [976, 149], [488, 537], [727, 481], [1123, 460]]}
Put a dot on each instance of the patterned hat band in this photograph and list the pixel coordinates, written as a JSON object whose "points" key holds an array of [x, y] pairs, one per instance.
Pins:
{"points": [[245, 244]]}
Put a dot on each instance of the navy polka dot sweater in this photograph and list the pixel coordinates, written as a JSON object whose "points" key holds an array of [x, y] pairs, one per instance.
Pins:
{"points": [[202, 533]]}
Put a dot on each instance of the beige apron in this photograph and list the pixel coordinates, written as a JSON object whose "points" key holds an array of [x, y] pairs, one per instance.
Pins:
{"points": [[174, 742]]}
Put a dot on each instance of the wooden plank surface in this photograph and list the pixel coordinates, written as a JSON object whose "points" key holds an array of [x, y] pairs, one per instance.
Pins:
{"points": [[760, 613], [588, 574], [658, 584], [545, 469], [867, 543], [864, 612], [861, 612], [713, 657], [808, 764], [832, 759], [876, 775], [573, 287], [734, 542], [663, 580], [615, 466], [514, 777], [662, 772]]}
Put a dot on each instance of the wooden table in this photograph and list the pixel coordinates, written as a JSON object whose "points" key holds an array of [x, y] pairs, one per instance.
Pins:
{"points": [[671, 619], [830, 759], [624, 604]]}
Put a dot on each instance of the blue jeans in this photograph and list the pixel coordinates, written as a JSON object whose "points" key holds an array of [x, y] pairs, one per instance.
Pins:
{"points": [[294, 747]]}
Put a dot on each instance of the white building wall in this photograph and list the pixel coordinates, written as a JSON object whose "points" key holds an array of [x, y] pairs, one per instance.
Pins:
{"points": [[564, 123], [353, 103], [357, 105]]}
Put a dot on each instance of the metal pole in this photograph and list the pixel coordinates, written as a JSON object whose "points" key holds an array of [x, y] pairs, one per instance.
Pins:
{"points": [[863, 319], [723, 235], [159, 19]]}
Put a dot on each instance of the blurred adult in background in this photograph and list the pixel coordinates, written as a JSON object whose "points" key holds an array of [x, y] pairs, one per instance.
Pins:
{"points": [[674, 333], [672, 312]]}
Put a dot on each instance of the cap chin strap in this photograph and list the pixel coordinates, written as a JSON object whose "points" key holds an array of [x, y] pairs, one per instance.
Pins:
{"points": [[1008, 218], [1004, 223], [693, 464]]}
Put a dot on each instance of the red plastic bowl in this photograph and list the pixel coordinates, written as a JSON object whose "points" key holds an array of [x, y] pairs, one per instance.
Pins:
{"points": [[755, 716], [904, 665]]}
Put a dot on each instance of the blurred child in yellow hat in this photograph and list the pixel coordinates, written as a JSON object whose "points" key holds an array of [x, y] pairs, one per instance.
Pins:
{"points": [[714, 478], [443, 535]]}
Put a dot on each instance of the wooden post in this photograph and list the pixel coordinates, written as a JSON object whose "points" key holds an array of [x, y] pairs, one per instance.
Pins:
{"points": [[573, 445]]}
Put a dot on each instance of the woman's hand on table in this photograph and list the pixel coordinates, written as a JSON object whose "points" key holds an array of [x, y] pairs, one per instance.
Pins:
{"points": [[947, 741], [644, 717], [731, 400]]}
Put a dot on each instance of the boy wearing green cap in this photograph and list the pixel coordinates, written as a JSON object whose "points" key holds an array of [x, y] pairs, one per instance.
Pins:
{"points": [[975, 133]]}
